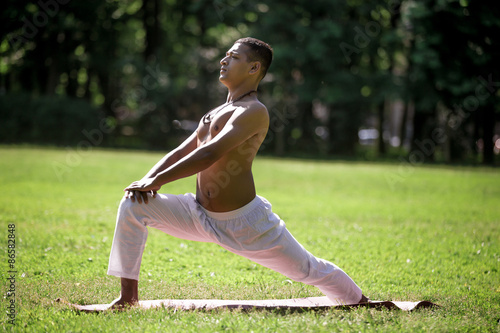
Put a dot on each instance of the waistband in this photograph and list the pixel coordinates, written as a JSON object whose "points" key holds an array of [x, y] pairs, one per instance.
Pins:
{"points": [[221, 216]]}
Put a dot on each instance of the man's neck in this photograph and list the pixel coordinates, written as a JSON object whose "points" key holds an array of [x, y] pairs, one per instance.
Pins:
{"points": [[235, 93]]}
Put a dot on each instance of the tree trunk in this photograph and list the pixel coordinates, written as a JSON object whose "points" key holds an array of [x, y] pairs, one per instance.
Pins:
{"points": [[421, 134], [150, 12], [343, 131], [279, 143], [488, 120], [52, 77], [381, 120], [305, 120]]}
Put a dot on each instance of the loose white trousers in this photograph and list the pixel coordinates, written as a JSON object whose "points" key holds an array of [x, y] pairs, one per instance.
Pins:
{"points": [[252, 231]]}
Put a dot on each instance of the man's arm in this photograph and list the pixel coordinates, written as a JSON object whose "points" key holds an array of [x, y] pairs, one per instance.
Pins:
{"points": [[174, 156], [243, 124], [171, 158]]}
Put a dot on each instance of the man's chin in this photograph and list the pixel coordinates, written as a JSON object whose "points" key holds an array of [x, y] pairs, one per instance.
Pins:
{"points": [[222, 78]]}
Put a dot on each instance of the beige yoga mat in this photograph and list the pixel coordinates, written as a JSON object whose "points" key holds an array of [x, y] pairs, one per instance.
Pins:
{"points": [[301, 304]]}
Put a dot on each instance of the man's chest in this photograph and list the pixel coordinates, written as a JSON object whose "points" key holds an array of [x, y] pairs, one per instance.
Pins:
{"points": [[208, 129]]}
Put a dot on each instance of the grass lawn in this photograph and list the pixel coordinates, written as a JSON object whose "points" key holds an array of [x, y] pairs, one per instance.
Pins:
{"points": [[426, 233]]}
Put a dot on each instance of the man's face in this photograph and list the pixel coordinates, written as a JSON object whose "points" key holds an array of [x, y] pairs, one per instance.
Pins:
{"points": [[235, 65]]}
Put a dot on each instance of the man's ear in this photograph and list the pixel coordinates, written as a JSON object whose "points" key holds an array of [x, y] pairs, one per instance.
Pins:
{"points": [[256, 65]]}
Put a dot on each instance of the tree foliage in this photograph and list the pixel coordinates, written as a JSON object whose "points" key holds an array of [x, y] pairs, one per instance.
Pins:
{"points": [[150, 69]]}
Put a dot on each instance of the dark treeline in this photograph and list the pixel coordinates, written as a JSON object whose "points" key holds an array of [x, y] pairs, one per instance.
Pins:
{"points": [[418, 79]]}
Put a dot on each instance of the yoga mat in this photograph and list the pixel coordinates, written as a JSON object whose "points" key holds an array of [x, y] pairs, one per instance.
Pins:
{"points": [[301, 304]]}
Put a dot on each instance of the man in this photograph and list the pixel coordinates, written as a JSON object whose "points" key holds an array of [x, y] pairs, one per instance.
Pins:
{"points": [[225, 209]]}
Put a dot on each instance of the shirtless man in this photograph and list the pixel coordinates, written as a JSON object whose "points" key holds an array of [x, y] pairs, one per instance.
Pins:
{"points": [[226, 209]]}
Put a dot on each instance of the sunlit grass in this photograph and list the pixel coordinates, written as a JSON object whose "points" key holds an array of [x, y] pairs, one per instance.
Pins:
{"points": [[434, 236]]}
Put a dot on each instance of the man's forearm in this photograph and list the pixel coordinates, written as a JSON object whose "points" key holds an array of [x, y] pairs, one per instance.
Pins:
{"points": [[174, 156], [167, 161], [189, 165]]}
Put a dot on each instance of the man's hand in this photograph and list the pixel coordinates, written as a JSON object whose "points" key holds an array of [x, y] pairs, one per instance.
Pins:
{"points": [[139, 190]]}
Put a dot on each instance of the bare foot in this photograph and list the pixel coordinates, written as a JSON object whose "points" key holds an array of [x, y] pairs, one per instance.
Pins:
{"points": [[364, 299], [120, 304], [129, 295]]}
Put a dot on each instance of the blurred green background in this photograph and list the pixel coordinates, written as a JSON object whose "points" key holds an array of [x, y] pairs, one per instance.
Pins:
{"points": [[409, 81]]}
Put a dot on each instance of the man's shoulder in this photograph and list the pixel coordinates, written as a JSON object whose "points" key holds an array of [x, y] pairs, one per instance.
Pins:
{"points": [[254, 108]]}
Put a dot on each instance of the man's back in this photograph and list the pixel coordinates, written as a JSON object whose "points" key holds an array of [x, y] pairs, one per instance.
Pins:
{"points": [[228, 183]]}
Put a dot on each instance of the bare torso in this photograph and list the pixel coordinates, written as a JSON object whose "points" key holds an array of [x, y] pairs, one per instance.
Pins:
{"points": [[228, 183]]}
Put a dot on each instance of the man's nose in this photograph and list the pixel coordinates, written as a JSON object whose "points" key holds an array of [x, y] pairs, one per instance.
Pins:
{"points": [[223, 61]]}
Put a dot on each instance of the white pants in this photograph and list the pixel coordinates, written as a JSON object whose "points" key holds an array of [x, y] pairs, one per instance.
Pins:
{"points": [[252, 231]]}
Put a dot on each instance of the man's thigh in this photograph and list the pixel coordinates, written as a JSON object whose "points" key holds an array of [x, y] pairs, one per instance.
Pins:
{"points": [[276, 249], [176, 215]]}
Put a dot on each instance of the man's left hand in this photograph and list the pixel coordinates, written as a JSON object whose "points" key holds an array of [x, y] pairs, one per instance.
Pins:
{"points": [[139, 190]]}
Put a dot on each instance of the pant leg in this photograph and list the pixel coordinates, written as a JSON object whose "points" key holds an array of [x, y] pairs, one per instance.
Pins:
{"points": [[291, 259], [260, 236], [266, 241], [176, 215]]}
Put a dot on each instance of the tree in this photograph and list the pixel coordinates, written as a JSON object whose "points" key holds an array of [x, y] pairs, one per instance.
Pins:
{"points": [[150, 66], [455, 55]]}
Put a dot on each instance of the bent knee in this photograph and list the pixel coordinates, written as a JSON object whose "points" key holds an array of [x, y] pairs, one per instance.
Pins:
{"points": [[129, 211]]}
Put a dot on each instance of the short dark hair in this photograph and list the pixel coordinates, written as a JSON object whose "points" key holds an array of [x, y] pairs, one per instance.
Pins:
{"points": [[259, 51]]}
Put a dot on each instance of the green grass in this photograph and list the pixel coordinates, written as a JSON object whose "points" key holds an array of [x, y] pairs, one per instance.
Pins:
{"points": [[433, 235]]}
